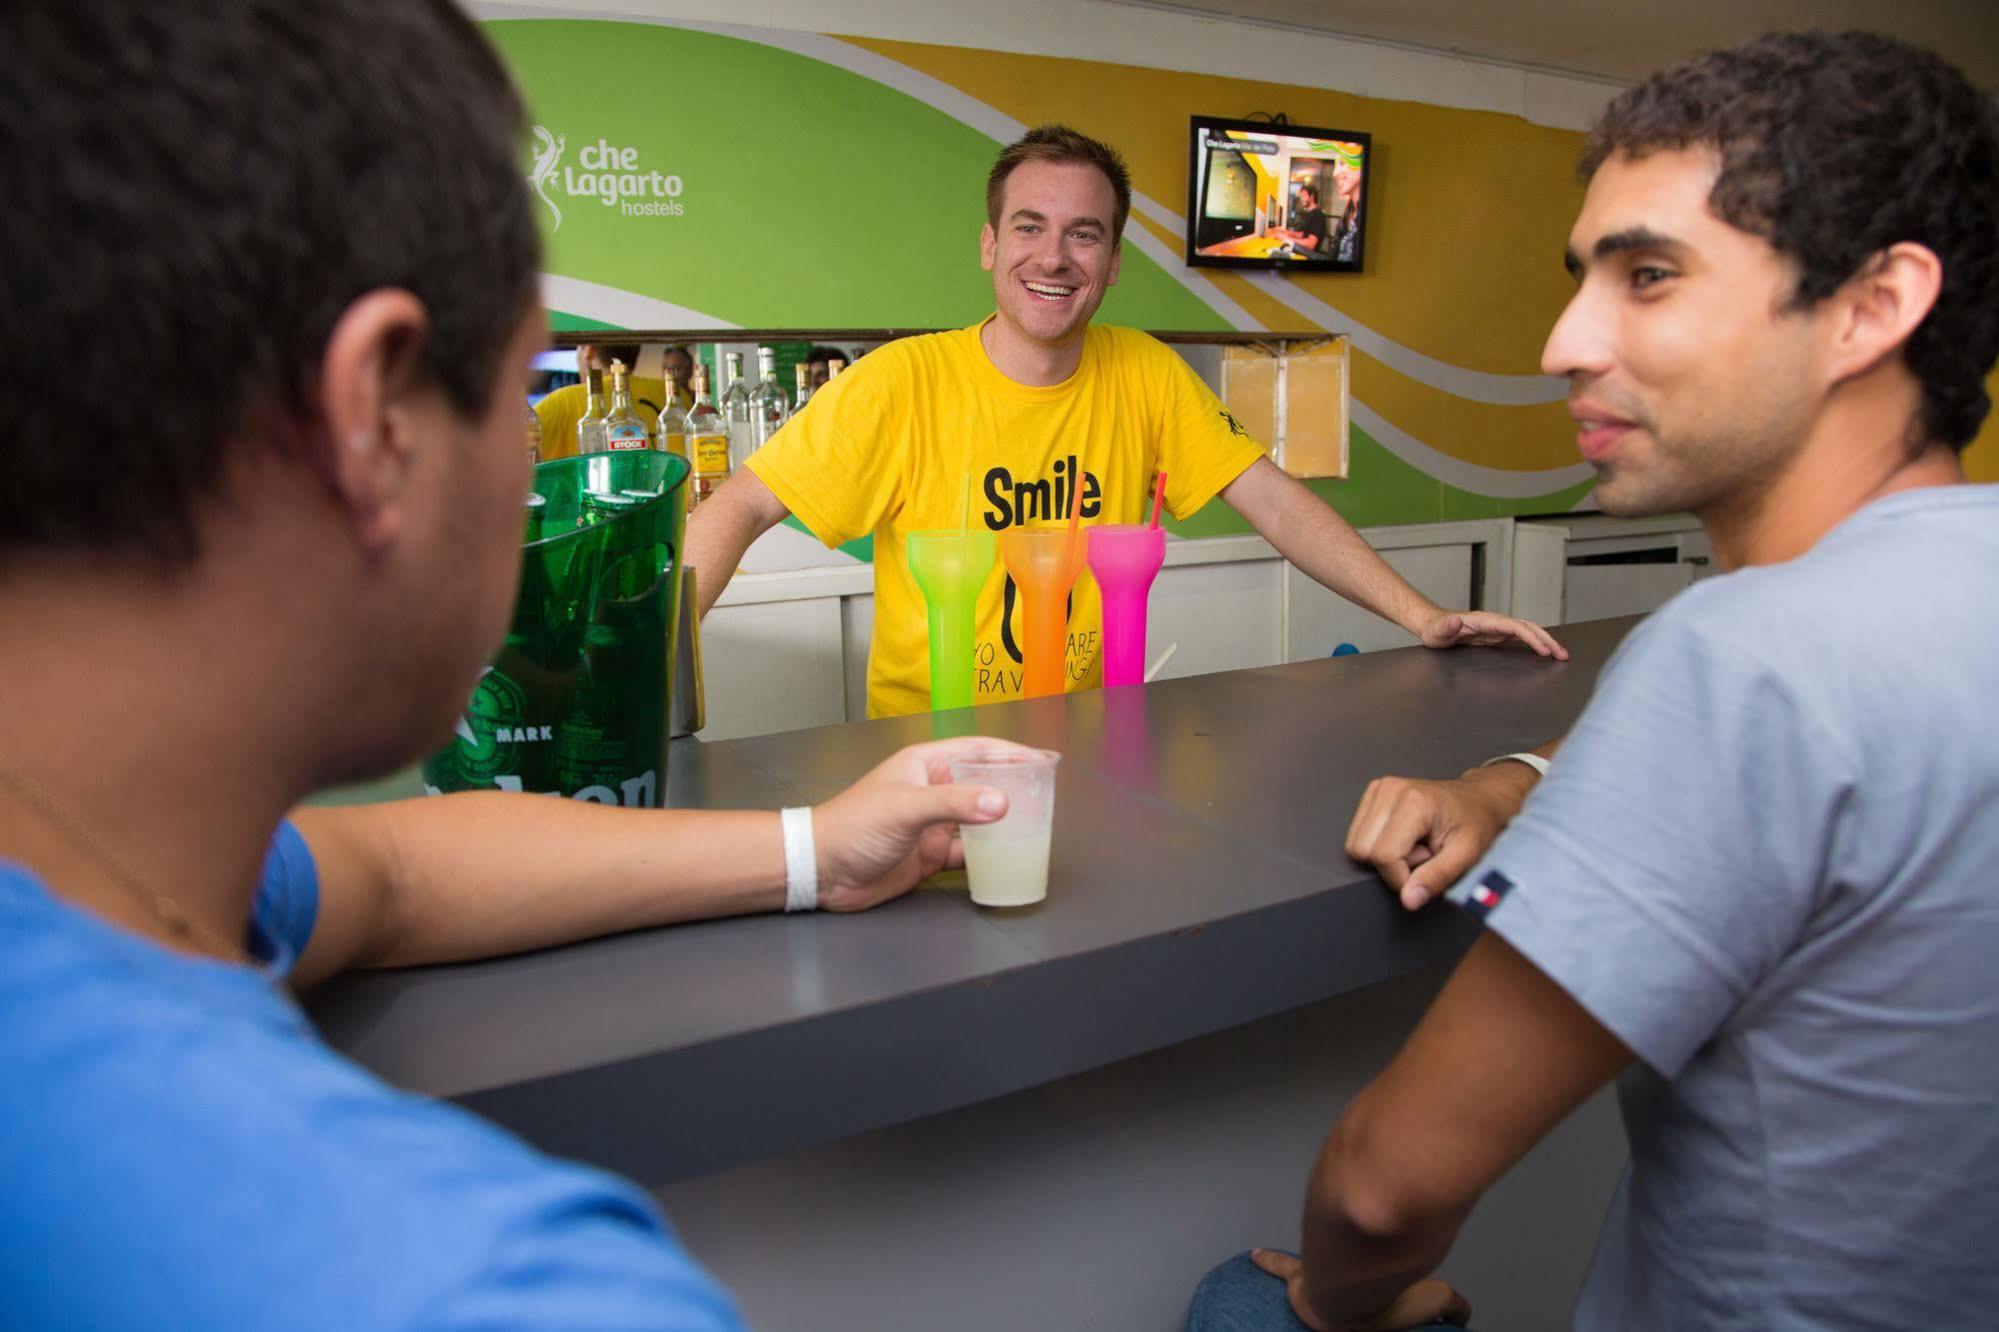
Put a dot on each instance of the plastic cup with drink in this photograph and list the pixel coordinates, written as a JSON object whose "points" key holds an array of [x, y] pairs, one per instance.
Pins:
{"points": [[1006, 862]]}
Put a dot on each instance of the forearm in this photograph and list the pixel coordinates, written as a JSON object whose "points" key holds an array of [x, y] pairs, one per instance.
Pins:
{"points": [[1502, 1056], [1311, 535], [1333, 554], [1362, 1250], [485, 873], [718, 534]]}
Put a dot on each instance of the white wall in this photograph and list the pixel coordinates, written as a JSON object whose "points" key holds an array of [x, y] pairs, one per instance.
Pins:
{"points": [[1155, 38]]}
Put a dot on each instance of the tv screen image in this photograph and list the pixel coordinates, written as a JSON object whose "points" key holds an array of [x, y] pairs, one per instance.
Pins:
{"points": [[1276, 196]]}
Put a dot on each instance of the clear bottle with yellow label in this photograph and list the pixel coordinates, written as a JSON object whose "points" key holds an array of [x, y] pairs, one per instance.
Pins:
{"points": [[707, 442]]}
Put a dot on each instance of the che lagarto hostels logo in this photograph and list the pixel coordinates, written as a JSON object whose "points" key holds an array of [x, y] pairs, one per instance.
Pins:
{"points": [[604, 171]]}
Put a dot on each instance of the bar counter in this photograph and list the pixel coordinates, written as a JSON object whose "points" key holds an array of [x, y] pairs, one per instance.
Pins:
{"points": [[1197, 882]]}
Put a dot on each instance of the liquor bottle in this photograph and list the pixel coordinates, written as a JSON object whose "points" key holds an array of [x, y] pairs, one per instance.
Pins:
{"points": [[590, 426], [770, 407], [673, 420], [533, 424], [707, 442], [624, 429], [833, 369], [804, 394], [737, 413]]}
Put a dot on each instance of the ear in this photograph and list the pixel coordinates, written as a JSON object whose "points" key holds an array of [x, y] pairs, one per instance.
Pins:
{"points": [[988, 247], [369, 377], [1881, 306], [1117, 262]]}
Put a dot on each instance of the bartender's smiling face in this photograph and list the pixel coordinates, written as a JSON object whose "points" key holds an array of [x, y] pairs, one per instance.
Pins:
{"points": [[1052, 255], [1692, 379]]}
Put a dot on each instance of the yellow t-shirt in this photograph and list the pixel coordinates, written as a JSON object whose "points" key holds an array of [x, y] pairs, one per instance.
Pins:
{"points": [[885, 448], [562, 409]]}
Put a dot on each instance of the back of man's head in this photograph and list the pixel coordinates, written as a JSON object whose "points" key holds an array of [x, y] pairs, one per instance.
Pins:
{"points": [[202, 190], [1061, 145], [1834, 147], [607, 352]]}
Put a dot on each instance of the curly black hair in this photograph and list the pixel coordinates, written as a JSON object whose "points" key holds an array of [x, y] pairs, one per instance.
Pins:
{"points": [[1835, 146]]}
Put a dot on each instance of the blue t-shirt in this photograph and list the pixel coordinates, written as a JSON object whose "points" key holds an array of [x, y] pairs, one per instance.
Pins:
{"points": [[179, 1150], [1767, 858]]}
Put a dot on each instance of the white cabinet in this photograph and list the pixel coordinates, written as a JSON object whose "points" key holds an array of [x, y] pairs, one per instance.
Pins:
{"points": [[1221, 601], [1594, 566], [1455, 565], [772, 666], [774, 650]]}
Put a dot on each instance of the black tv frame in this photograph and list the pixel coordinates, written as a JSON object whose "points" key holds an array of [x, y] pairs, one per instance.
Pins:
{"points": [[1197, 166]]}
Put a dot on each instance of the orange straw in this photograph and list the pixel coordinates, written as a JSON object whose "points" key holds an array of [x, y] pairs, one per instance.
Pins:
{"points": [[1158, 494]]}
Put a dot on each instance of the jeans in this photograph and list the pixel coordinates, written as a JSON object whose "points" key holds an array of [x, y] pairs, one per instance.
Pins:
{"points": [[1239, 1296]]}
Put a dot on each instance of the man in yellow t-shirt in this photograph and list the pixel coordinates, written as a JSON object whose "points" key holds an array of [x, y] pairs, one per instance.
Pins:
{"points": [[562, 409], [890, 450], [1023, 402]]}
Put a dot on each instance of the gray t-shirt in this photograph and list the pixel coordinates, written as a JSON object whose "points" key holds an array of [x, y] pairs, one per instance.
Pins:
{"points": [[1767, 858]]}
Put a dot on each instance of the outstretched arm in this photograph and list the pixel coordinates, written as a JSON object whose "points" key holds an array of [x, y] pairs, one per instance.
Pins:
{"points": [[1307, 532], [478, 874]]}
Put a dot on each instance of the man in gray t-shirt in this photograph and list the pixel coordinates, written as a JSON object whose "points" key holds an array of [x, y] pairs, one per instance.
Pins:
{"points": [[1776, 880], [1759, 885]]}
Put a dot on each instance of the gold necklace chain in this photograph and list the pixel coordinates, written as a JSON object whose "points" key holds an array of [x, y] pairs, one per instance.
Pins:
{"points": [[168, 912]]}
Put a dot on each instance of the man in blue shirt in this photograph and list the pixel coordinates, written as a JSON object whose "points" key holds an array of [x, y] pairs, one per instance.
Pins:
{"points": [[295, 233], [1756, 885]]}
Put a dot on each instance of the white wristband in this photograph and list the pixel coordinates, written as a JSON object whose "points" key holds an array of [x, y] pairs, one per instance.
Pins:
{"points": [[1534, 761], [801, 860]]}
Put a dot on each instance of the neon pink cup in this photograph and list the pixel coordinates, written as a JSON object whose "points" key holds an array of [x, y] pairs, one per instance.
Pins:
{"points": [[1125, 558]]}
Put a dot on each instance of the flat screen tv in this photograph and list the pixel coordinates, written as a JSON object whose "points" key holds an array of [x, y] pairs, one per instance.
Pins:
{"points": [[1277, 196]]}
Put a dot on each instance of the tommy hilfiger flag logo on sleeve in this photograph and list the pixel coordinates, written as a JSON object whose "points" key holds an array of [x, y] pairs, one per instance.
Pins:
{"points": [[1487, 893]]}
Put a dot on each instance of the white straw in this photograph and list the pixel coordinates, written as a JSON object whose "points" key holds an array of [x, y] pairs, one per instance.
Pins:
{"points": [[1164, 657]]}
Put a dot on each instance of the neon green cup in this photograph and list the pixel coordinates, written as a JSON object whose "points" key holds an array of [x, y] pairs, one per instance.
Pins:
{"points": [[576, 701], [952, 567]]}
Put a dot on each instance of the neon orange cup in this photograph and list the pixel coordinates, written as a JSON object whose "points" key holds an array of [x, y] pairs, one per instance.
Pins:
{"points": [[1044, 563]]}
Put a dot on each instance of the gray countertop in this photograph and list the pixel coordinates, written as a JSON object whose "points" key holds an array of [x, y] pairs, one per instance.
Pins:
{"points": [[1197, 881]]}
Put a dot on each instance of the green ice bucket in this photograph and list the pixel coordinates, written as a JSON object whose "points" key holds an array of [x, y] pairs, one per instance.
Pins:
{"points": [[575, 703]]}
